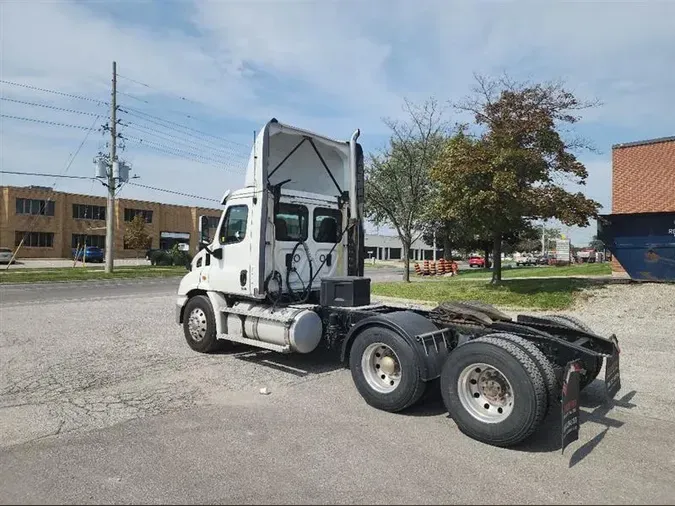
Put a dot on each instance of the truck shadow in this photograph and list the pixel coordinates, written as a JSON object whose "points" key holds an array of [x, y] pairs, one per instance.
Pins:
{"points": [[595, 408], [431, 403], [320, 361]]}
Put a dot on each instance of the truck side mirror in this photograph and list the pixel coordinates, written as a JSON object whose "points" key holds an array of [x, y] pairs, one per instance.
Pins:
{"points": [[204, 230]]}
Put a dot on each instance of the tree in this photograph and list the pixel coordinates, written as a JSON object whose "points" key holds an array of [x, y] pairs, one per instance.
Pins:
{"points": [[450, 235], [530, 239], [397, 179], [135, 235], [510, 171], [596, 244]]}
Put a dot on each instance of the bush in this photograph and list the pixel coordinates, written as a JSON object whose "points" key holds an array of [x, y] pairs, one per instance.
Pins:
{"points": [[174, 256]]}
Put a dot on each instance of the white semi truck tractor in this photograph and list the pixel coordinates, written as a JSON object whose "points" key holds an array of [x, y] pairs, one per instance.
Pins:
{"points": [[283, 271]]}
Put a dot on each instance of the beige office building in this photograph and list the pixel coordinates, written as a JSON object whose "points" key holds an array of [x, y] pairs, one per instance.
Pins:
{"points": [[52, 224]]}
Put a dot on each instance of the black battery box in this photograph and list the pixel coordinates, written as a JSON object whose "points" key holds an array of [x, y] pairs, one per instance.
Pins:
{"points": [[345, 291]]}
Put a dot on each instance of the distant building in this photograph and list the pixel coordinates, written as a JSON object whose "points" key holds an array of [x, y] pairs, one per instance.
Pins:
{"points": [[387, 247], [640, 232], [59, 221]]}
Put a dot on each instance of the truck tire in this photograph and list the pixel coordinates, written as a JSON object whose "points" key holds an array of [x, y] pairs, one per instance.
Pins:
{"points": [[494, 391], [594, 367], [570, 321], [385, 369], [546, 368], [199, 326]]}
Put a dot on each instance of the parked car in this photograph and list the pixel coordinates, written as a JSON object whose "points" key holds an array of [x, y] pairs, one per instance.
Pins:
{"points": [[89, 254], [476, 261], [5, 255], [526, 260], [542, 260]]}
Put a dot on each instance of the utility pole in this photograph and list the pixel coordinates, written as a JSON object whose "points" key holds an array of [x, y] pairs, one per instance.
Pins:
{"points": [[110, 211]]}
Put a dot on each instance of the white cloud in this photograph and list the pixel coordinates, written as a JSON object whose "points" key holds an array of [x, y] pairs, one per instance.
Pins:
{"points": [[327, 66]]}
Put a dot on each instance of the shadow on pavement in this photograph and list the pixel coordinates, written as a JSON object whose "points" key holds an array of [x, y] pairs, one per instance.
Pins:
{"points": [[431, 403], [318, 362], [548, 437]]}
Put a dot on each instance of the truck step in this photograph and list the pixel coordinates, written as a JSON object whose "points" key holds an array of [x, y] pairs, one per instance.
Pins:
{"points": [[256, 343]]}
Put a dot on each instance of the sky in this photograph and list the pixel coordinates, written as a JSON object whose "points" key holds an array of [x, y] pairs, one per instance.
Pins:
{"points": [[197, 78]]}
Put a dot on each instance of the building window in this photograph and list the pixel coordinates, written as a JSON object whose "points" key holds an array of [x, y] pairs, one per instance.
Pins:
{"points": [[291, 222], [34, 206], [130, 214], [80, 240], [87, 212], [34, 239], [234, 226], [327, 225]]}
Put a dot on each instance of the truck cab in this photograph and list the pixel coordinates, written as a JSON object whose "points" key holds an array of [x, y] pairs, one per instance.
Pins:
{"points": [[295, 222]]}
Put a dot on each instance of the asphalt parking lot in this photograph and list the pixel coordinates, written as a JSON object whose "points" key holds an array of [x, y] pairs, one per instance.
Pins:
{"points": [[101, 401]]}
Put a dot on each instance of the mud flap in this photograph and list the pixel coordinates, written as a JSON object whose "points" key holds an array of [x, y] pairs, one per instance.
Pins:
{"points": [[612, 373], [570, 404]]}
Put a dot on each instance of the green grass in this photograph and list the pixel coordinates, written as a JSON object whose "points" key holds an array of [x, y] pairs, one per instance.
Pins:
{"points": [[602, 269], [86, 273], [557, 293]]}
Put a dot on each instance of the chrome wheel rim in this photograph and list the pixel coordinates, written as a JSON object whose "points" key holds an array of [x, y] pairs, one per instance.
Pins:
{"points": [[485, 393], [381, 368], [197, 324]]}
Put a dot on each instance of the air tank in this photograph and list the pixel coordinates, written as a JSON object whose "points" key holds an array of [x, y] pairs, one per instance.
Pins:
{"points": [[298, 328]]}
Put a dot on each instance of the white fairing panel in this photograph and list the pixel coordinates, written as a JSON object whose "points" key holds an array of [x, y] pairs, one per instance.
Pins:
{"points": [[303, 167]]}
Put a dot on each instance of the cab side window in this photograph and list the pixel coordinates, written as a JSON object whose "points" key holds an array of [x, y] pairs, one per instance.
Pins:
{"points": [[233, 229]]}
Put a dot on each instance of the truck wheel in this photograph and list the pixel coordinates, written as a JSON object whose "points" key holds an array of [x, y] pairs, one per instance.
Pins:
{"points": [[385, 370], [593, 367], [199, 325], [494, 391], [545, 366]]}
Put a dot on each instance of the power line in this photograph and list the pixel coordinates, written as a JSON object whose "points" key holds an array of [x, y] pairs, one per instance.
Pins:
{"points": [[145, 85], [35, 104], [212, 144], [70, 95], [40, 174], [53, 123], [132, 96], [180, 140], [195, 157], [221, 139], [173, 192], [133, 80]]}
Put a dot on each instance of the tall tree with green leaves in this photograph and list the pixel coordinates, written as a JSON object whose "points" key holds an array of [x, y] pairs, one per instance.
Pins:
{"points": [[397, 178], [512, 170], [135, 235]]}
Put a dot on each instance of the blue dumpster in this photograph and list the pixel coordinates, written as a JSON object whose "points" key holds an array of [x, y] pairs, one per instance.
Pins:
{"points": [[643, 243]]}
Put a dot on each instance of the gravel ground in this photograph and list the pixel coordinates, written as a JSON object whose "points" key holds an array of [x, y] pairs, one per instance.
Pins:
{"points": [[79, 368]]}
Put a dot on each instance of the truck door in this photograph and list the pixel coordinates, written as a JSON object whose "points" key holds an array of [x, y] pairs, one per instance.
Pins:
{"points": [[232, 272]]}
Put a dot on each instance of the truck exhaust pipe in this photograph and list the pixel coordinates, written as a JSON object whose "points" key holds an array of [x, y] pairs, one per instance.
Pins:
{"points": [[353, 209]]}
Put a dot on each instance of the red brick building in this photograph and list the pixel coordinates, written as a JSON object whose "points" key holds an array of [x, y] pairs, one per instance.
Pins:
{"points": [[643, 178]]}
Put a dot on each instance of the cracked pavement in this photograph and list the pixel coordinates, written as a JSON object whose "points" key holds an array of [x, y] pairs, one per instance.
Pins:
{"points": [[105, 382]]}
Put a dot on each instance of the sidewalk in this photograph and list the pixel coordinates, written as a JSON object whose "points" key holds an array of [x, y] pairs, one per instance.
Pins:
{"points": [[42, 263]]}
